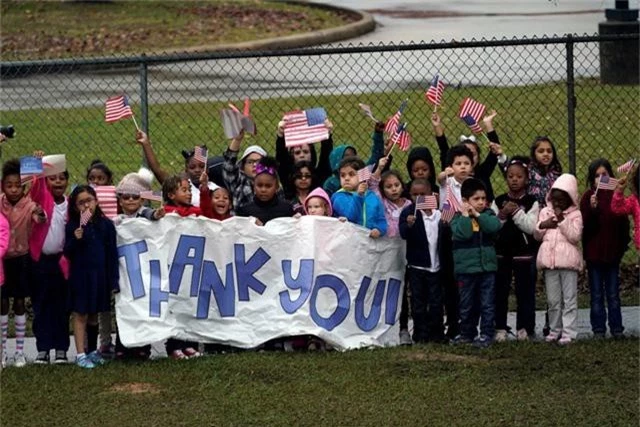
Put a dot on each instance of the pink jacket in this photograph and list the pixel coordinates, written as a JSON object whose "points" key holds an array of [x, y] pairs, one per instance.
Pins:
{"points": [[559, 249], [4, 243], [628, 206], [21, 219]]}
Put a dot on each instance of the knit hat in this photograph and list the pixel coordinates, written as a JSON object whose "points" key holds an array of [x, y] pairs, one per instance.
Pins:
{"points": [[252, 149], [319, 192], [134, 183]]}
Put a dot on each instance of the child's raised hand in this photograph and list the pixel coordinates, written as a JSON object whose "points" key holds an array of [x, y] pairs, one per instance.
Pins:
{"points": [[329, 125], [159, 213], [593, 200], [466, 209], [488, 120], [375, 233], [622, 184], [362, 188], [435, 120], [142, 138], [78, 233], [38, 153], [379, 126], [382, 163], [281, 128], [448, 171], [411, 219], [496, 148], [204, 181]]}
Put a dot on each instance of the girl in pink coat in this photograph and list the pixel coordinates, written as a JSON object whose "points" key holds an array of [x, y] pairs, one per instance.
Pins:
{"points": [[559, 228], [630, 205]]}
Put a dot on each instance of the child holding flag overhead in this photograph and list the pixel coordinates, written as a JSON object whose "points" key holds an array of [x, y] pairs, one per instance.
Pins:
{"points": [[22, 214], [605, 238], [355, 202], [629, 205], [421, 228], [90, 245]]}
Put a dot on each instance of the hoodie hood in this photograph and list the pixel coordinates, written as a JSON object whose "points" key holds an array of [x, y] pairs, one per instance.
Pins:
{"points": [[319, 192], [567, 183], [336, 156], [422, 153]]}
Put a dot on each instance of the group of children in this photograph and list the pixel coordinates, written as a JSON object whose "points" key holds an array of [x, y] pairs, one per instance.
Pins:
{"points": [[462, 257]]}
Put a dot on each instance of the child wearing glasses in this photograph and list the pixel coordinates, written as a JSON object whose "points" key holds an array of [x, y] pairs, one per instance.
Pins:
{"points": [[302, 182], [128, 192]]}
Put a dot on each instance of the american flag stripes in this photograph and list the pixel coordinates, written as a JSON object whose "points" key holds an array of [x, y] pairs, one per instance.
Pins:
{"points": [[200, 154], [305, 127], [470, 107], [107, 200], [116, 108], [394, 121], [434, 93], [426, 202], [626, 167], [85, 217], [402, 137], [364, 174], [472, 123], [154, 196], [447, 212], [452, 201], [607, 183]]}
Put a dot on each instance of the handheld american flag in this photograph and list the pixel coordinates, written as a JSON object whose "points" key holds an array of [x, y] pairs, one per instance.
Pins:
{"points": [[200, 154], [607, 183], [470, 107], [626, 167], [426, 202], [305, 127], [107, 200], [447, 212], [394, 121], [85, 217], [434, 93], [402, 137], [472, 123], [154, 196], [364, 174], [116, 108]]}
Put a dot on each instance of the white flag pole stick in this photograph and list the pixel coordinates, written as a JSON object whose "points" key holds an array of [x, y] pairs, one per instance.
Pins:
{"points": [[134, 122]]}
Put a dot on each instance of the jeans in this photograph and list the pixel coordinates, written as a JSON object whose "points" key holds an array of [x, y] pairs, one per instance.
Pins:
{"points": [[477, 298], [525, 273], [604, 280], [426, 305]]}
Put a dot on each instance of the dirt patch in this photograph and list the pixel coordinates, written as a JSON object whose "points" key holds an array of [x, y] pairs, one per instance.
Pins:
{"points": [[135, 388], [445, 357], [430, 14]]}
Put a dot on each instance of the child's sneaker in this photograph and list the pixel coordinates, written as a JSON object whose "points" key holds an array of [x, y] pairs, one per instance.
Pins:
{"points": [[84, 362], [483, 341], [405, 337], [460, 339], [178, 355], [191, 352], [61, 357], [522, 335], [42, 358], [552, 337], [96, 358], [501, 335], [5, 359], [565, 340], [19, 360], [108, 351]]}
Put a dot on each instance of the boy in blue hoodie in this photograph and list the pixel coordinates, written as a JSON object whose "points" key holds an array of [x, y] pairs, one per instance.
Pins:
{"points": [[355, 202]]}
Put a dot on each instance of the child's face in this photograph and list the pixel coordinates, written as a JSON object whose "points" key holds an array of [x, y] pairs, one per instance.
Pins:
{"points": [[84, 201], [249, 167], [544, 153], [221, 201], [302, 179], [560, 199], [516, 178], [182, 195], [130, 203], [349, 178], [12, 188], [265, 187], [461, 168], [420, 169], [392, 188], [98, 177], [316, 206], [601, 171], [58, 185], [474, 151], [194, 169], [478, 200], [301, 153], [419, 190]]}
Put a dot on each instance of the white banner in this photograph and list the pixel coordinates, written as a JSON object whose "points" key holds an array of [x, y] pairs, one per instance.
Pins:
{"points": [[240, 284]]}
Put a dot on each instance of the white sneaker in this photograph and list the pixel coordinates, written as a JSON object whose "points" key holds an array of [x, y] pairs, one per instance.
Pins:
{"points": [[5, 359], [19, 359], [405, 337], [522, 335], [501, 335]]}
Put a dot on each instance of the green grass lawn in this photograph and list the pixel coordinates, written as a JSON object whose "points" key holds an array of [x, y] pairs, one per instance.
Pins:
{"points": [[588, 383], [55, 29]]}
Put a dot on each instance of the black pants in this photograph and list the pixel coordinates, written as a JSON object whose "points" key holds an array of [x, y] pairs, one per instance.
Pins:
{"points": [[426, 305], [525, 273], [404, 307], [450, 286]]}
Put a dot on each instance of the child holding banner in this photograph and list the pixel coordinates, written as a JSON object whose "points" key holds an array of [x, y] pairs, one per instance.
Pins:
{"points": [[22, 213], [605, 238], [318, 203], [130, 201], [629, 205], [90, 245]]}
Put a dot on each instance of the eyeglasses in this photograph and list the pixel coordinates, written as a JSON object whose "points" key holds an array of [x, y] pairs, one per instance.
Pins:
{"points": [[130, 196], [303, 176], [88, 200], [252, 162]]}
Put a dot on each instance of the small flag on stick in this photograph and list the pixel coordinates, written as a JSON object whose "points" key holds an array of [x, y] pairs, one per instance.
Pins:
{"points": [[117, 108], [626, 167], [85, 217], [305, 127], [394, 121], [472, 123], [434, 93], [401, 137], [607, 183], [364, 174], [200, 154], [107, 200], [447, 212], [154, 196], [470, 107], [426, 202]]}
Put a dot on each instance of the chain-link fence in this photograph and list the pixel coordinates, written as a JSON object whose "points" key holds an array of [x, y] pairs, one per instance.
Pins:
{"points": [[547, 86]]}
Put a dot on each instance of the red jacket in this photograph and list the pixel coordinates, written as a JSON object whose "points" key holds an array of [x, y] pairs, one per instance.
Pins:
{"points": [[605, 236], [205, 209]]}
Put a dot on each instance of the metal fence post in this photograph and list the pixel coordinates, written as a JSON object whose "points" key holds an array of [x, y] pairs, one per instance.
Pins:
{"points": [[571, 106], [144, 106]]}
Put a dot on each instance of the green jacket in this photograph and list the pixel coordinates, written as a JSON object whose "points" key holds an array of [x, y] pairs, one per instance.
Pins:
{"points": [[474, 251]]}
